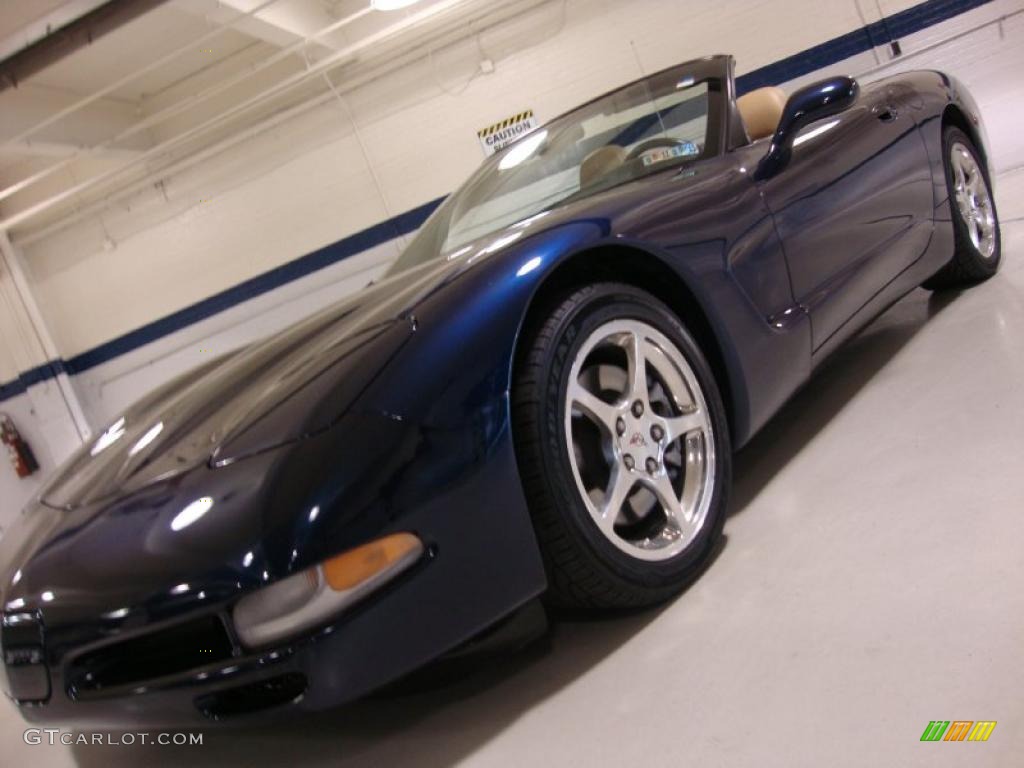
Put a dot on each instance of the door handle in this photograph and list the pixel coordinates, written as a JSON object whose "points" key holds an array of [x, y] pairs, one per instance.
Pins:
{"points": [[886, 114]]}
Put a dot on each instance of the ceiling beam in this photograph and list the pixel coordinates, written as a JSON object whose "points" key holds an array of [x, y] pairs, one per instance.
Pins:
{"points": [[60, 149], [29, 27], [69, 38]]}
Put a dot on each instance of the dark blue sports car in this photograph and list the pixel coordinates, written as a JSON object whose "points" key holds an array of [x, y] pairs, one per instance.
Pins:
{"points": [[540, 398]]}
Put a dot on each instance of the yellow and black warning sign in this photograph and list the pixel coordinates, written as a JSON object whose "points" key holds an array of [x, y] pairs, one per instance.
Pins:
{"points": [[501, 134]]}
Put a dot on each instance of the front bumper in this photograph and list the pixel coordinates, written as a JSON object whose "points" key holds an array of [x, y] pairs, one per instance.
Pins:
{"points": [[482, 563], [328, 668]]}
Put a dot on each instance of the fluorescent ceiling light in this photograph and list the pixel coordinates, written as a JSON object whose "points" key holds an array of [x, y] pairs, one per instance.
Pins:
{"points": [[391, 5]]}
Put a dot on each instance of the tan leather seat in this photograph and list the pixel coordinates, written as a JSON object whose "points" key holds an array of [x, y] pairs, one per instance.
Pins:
{"points": [[601, 161], [761, 111]]}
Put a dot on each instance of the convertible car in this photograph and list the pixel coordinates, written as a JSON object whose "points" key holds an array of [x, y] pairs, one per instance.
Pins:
{"points": [[539, 400]]}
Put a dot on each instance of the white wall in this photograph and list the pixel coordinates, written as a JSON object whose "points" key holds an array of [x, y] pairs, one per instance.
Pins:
{"points": [[41, 414], [405, 139], [311, 181]]}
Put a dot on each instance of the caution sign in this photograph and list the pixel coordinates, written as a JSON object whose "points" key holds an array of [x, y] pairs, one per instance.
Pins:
{"points": [[500, 135]]}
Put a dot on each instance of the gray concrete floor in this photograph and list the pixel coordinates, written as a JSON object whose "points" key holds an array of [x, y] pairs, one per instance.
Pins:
{"points": [[870, 582]]}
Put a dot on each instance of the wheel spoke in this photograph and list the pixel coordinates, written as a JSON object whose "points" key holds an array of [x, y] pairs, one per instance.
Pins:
{"points": [[680, 426], [636, 357], [676, 388], [694, 478], [975, 231], [661, 485], [972, 182], [619, 486], [986, 220], [595, 408], [961, 181]]}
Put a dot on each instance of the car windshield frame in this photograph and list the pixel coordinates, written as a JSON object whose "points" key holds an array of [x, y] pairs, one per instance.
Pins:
{"points": [[433, 242]]}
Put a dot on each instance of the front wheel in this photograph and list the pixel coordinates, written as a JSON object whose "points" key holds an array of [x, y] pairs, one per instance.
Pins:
{"points": [[975, 222], [623, 446]]}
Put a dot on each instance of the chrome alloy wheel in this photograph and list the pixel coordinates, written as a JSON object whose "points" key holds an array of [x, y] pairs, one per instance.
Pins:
{"points": [[640, 439], [973, 200]]}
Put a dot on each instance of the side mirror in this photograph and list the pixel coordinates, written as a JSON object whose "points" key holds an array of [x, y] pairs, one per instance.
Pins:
{"points": [[813, 102]]}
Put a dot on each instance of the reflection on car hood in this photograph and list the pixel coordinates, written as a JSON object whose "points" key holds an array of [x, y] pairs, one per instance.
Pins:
{"points": [[305, 378]]}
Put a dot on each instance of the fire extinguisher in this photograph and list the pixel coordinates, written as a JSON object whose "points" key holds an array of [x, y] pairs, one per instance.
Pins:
{"points": [[22, 458]]}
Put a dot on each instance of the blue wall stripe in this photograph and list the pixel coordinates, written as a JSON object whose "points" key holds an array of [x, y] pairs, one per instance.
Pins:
{"points": [[361, 241], [852, 43], [37, 375], [810, 60]]}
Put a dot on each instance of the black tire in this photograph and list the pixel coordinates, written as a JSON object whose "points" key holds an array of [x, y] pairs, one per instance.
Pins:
{"points": [[585, 570], [968, 265]]}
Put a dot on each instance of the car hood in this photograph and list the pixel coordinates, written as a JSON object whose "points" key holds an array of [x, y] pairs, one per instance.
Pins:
{"points": [[288, 386], [291, 385]]}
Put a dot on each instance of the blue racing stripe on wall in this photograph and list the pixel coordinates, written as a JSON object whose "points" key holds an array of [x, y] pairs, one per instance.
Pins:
{"points": [[810, 60], [859, 41], [263, 283]]}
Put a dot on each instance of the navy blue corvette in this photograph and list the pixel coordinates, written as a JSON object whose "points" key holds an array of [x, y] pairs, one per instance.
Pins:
{"points": [[541, 397]]}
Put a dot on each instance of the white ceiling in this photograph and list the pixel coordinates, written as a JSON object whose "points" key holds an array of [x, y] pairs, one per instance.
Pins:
{"points": [[212, 83], [17, 15]]}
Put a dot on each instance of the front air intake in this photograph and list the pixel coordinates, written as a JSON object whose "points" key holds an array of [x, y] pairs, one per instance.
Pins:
{"points": [[252, 697], [24, 655], [144, 658]]}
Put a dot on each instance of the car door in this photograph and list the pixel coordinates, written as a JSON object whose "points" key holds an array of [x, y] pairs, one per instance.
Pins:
{"points": [[853, 207]]}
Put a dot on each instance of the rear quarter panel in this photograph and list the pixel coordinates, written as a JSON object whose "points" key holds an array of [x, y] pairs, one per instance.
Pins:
{"points": [[929, 94]]}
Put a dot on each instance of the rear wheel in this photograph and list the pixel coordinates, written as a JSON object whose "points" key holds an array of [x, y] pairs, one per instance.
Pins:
{"points": [[624, 448], [975, 223]]}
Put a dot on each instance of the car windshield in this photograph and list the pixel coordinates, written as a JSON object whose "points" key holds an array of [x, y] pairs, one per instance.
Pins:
{"points": [[661, 121]]}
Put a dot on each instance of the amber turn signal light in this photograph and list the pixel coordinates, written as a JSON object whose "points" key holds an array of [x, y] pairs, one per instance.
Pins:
{"points": [[318, 595], [357, 565]]}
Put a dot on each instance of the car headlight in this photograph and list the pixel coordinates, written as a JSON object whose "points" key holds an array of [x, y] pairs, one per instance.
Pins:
{"points": [[315, 596]]}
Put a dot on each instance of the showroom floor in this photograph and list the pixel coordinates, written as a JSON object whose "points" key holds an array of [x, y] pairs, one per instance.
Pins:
{"points": [[870, 582]]}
